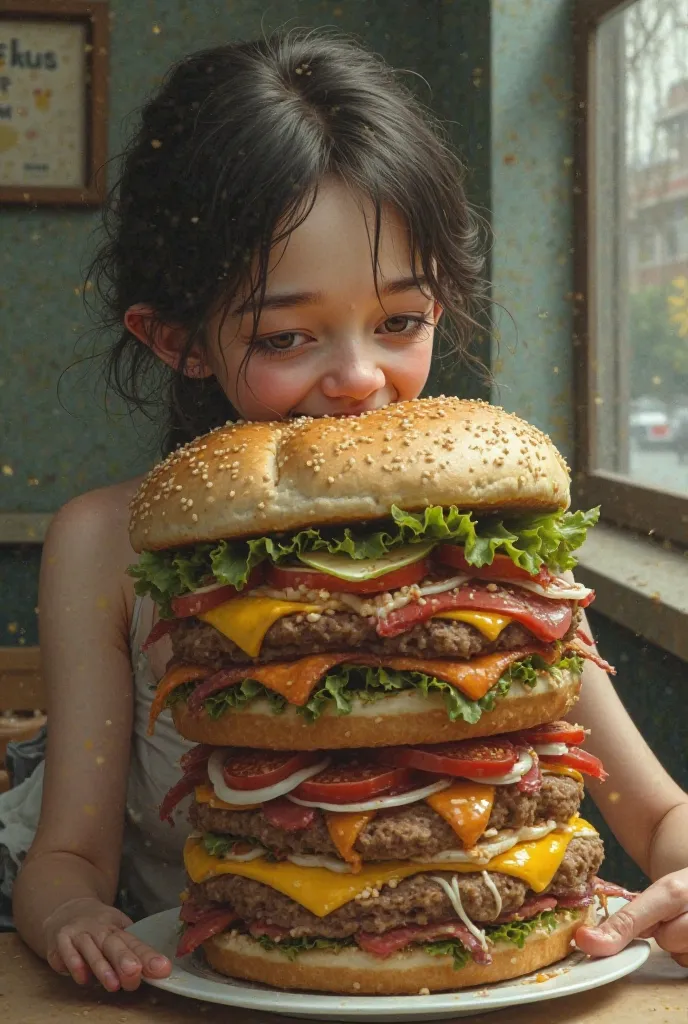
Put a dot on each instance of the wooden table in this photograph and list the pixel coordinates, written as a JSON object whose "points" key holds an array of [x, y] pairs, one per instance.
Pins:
{"points": [[31, 993]]}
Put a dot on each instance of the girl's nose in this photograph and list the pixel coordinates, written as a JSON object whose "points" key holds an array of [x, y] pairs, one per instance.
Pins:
{"points": [[354, 377]]}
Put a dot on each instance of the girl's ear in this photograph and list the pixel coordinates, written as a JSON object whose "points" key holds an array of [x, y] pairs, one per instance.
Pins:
{"points": [[166, 341], [437, 312]]}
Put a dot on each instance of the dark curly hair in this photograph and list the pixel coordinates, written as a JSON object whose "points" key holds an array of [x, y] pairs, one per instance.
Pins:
{"points": [[227, 159]]}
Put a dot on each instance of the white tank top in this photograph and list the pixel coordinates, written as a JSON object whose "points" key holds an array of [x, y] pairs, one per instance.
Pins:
{"points": [[152, 872]]}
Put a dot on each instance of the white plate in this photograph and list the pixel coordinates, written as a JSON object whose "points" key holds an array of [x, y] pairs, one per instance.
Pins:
{"points": [[191, 977]]}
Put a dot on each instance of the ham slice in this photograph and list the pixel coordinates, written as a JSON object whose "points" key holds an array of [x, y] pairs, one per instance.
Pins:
{"points": [[531, 782], [391, 942], [207, 924], [545, 618], [282, 813]]}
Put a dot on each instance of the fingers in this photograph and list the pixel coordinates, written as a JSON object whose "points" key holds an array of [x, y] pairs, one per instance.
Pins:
{"points": [[154, 965], [113, 972], [72, 959], [665, 901], [673, 937]]}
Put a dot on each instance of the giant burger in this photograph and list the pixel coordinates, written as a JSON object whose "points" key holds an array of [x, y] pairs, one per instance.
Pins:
{"points": [[373, 642]]}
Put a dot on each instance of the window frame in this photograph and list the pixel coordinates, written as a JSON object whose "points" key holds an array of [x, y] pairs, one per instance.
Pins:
{"points": [[624, 502]]}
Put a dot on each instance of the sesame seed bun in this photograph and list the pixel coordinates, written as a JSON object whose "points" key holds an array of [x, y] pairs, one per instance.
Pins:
{"points": [[401, 719], [250, 479], [409, 972]]}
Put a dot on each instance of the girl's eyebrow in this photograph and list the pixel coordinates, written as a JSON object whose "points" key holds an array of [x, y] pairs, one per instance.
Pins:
{"points": [[288, 300]]}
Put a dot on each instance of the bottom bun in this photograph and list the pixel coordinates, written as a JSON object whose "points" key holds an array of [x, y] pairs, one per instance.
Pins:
{"points": [[407, 973], [400, 719]]}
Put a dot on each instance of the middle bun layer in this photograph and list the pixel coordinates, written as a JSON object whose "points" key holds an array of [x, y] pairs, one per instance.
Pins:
{"points": [[407, 718]]}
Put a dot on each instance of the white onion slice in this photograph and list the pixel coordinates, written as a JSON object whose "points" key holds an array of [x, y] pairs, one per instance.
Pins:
{"points": [[254, 854], [568, 592], [439, 588], [486, 851], [208, 589], [308, 860], [255, 796], [453, 892], [522, 766], [553, 749], [381, 801]]}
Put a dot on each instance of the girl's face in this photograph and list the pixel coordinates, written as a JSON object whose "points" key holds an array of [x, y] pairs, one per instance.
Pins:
{"points": [[327, 343]]}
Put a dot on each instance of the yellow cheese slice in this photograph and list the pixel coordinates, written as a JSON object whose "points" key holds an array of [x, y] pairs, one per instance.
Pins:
{"points": [[344, 829], [322, 891], [206, 795], [489, 624], [466, 806], [560, 769], [246, 620]]}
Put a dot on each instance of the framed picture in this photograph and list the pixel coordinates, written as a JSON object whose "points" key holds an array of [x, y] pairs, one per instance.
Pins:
{"points": [[53, 101]]}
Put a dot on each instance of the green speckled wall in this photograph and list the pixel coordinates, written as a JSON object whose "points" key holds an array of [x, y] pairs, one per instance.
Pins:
{"points": [[531, 187]]}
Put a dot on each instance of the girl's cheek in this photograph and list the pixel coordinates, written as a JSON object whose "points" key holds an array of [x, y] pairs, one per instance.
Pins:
{"points": [[272, 389], [409, 370]]}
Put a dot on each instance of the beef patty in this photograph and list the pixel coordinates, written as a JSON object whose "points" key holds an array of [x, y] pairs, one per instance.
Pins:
{"points": [[416, 900], [401, 832], [291, 637]]}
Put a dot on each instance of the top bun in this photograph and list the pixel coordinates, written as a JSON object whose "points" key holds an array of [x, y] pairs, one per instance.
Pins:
{"points": [[249, 479]]}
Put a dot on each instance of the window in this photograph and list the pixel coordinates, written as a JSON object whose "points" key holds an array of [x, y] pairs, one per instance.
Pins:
{"points": [[631, 335]]}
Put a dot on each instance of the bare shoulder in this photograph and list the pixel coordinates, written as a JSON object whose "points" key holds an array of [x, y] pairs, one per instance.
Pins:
{"points": [[89, 537]]}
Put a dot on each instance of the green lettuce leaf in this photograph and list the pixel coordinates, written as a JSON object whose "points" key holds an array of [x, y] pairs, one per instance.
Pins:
{"points": [[530, 542], [515, 933], [292, 948], [348, 683]]}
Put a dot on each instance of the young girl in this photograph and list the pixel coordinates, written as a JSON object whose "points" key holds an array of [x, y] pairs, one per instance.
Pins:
{"points": [[287, 232]]}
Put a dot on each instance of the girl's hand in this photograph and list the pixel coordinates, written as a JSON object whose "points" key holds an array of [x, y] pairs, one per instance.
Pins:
{"points": [[85, 937], [661, 913]]}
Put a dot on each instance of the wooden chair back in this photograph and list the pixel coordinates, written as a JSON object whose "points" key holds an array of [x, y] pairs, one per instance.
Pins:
{"points": [[22, 699]]}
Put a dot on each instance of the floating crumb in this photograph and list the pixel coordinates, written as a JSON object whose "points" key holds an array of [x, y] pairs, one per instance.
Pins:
{"points": [[423, 991]]}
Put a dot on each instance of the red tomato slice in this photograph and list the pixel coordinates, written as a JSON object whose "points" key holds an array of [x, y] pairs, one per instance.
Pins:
{"points": [[350, 781], [198, 603], [555, 732], [474, 759], [280, 577], [206, 925], [546, 619], [502, 566], [579, 759], [255, 769]]}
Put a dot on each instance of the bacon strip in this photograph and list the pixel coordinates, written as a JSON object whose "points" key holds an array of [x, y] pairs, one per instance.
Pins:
{"points": [[174, 677], [602, 888], [296, 680], [585, 652], [161, 628], [184, 787], [391, 942]]}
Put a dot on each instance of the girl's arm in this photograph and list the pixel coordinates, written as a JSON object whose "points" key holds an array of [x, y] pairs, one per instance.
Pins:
{"points": [[64, 892], [647, 812]]}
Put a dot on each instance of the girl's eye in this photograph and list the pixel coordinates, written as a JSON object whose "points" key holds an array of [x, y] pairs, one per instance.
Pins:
{"points": [[405, 325], [276, 344]]}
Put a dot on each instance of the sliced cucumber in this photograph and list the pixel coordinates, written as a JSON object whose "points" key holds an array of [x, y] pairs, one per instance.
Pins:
{"points": [[346, 568]]}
